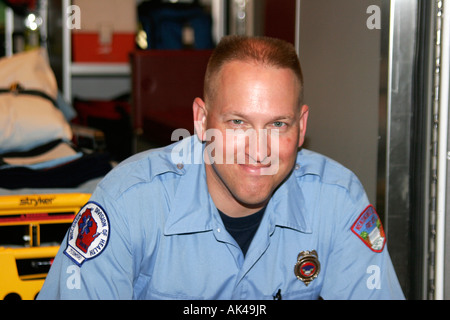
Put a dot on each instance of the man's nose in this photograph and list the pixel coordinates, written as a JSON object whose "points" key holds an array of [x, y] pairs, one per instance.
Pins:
{"points": [[258, 146]]}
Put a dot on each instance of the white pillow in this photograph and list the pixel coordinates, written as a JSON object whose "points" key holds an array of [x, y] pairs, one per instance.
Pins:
{"points": [[27, 121]]}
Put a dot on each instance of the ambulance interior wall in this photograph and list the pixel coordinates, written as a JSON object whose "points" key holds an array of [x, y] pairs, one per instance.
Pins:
{"points": [[345, 77]]}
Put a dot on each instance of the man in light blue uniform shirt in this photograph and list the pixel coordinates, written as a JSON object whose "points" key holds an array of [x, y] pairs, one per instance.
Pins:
{"points": [[200, 220]]}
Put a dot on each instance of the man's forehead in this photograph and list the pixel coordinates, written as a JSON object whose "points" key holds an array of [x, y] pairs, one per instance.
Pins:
{"points": [[248, 72]]}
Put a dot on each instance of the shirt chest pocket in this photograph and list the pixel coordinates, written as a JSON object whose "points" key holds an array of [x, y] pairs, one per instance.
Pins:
{"points": [[299, 295], [296, 293], [145, 290]]}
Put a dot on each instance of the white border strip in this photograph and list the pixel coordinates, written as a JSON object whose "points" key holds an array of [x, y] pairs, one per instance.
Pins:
{"points": [[442, 152]]}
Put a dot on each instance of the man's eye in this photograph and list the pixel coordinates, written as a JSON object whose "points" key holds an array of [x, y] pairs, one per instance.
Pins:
{"points": [[278, 124], [237, 122]]}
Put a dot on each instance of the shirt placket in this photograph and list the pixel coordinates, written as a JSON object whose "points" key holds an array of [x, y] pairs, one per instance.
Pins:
{"points": [[255, 252]]}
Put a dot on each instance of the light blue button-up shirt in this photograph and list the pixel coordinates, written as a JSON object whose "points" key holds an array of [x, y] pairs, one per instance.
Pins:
{"points": [[166, 239]]}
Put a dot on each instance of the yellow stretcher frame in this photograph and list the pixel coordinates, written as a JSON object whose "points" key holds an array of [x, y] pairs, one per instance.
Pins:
{"points": [[32, 210]]}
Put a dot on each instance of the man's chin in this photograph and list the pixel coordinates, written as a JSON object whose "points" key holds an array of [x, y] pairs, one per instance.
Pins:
{"points": [[254, 201]]}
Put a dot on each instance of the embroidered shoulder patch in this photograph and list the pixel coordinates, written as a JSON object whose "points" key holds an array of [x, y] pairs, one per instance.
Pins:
{"points": [[88, 235], [369, 229]]}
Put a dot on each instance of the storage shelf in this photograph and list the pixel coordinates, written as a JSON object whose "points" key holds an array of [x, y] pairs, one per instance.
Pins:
{"points": [[99, 69]]}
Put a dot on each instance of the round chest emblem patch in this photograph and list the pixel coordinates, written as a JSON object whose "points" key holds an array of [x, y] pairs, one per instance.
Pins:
{"points": [[307, 269], [88, 235]]}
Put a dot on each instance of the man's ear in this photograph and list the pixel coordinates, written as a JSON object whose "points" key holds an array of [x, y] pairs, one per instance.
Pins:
{"points": [[200, 113], [303, 122]]}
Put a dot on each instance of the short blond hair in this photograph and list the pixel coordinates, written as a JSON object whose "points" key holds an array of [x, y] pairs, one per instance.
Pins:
{"points": [[263, 50]]}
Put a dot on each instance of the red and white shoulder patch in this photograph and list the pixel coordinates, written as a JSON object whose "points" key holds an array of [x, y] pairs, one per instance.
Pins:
{"points": [[369, 229], [88, 235]]}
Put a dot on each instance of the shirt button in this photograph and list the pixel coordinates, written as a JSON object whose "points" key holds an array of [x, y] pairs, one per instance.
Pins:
{"points": [[297, 166], [180, 166], [218, 229]]}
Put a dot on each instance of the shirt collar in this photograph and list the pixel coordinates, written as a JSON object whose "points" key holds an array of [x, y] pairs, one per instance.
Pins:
{"points": [[192, 208], [287, 206]]}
